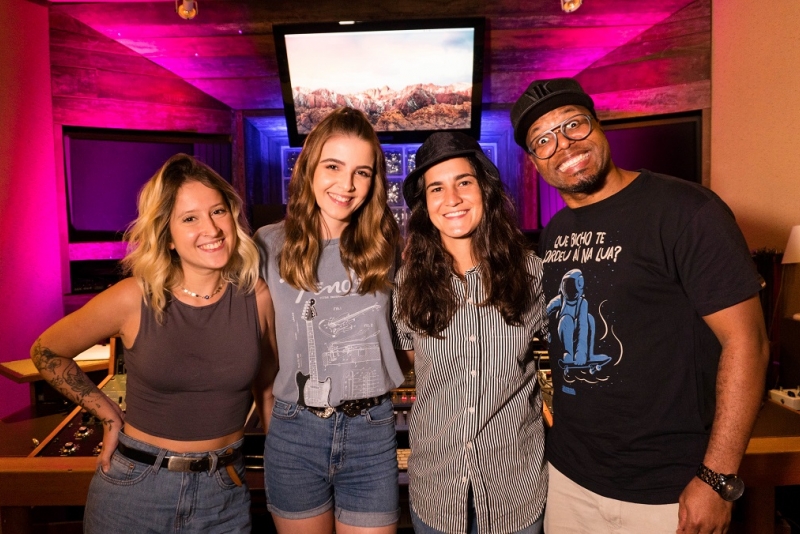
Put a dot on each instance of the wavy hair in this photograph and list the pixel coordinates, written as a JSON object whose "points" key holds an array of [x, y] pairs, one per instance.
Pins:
{"points": [[368, 243], [149, 258], [427, 301]]}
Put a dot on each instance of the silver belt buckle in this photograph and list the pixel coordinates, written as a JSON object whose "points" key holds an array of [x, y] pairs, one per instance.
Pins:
{"points": [[179, 463], [327, 412], [322, 412]]}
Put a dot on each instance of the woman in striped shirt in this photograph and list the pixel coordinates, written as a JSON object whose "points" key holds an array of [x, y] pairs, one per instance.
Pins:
{"points": [[468, 303]]}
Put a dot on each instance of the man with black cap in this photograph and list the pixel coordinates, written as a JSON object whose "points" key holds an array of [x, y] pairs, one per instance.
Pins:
{"points": [[657, 338], [467, 303]]}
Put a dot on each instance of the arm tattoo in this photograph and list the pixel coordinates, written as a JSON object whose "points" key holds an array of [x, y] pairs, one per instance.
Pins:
{"points": [[68, 379]]}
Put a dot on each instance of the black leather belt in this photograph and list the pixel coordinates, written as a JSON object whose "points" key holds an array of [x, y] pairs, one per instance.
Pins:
{"points": [[181, 463], [350, 408]]}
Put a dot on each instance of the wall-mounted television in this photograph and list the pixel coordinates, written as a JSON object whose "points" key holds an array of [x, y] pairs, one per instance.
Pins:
{"points": [[411, 77]]}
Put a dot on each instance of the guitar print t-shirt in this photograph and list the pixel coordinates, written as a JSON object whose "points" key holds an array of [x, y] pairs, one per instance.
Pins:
{"points": [[333, 344]]}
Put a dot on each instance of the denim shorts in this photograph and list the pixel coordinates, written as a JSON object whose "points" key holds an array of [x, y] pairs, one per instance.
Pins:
{"points": [[137, 497], [346, 463]]}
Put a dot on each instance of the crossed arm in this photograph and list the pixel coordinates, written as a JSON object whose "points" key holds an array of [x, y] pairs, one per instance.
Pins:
{"points": [[739, 390]]}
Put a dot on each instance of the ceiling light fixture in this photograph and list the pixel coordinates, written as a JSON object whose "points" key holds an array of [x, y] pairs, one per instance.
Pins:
{"points": [[568, 6], [186, 9]]}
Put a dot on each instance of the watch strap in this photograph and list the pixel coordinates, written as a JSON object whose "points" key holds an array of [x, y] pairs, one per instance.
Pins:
{"points": [[729, 487], [712, 478]]}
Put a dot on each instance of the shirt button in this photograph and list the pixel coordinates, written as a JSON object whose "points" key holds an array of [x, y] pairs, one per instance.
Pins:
{"points": [[469, 445], [463, 479], [469, 300], [471, 409], [472, 338], [473, 373]]}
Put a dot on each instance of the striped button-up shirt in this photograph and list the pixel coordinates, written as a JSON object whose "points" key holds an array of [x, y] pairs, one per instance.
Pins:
{"points": [[477, 418]]}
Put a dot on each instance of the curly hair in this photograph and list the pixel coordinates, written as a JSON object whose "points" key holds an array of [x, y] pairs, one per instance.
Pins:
{"points": [[426, 300], [149, 259], [368, 243]]}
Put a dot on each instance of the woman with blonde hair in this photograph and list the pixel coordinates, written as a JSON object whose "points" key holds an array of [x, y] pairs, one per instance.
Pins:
{"points": [[330, 454], [196, 325]]}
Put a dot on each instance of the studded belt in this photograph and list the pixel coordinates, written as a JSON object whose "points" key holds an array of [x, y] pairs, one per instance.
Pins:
{"points": [[350, 408]]}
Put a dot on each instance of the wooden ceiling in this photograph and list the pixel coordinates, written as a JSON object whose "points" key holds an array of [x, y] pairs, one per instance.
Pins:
{"points": [[227, 51]]}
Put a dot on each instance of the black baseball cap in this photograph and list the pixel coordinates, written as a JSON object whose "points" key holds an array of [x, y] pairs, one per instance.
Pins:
{"points": [[543, 96]]}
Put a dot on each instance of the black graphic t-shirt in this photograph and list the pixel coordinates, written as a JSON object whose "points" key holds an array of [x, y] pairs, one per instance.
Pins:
{"points": [[627, 281]]}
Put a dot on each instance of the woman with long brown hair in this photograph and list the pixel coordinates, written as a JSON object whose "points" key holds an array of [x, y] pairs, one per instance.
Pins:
{"points": [[330, 453]]}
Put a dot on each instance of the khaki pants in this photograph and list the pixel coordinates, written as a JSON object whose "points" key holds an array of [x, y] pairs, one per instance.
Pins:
{"points": [[573, 509]]}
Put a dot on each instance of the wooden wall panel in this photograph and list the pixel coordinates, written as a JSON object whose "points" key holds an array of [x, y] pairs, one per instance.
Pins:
{"points": [[653, 101], [245, 94], [227, 50], [592, 14], [666, 69], [97, 82]]}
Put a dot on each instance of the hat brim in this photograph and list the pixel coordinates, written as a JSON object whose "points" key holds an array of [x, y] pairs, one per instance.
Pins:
{"points": [[413, 183], [546, 105]]}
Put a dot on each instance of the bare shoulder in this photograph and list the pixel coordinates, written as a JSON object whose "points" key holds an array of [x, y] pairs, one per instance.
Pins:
{"points": [[125, 296], [117, 304], [266, 311], [263, 296], [102, 317]]}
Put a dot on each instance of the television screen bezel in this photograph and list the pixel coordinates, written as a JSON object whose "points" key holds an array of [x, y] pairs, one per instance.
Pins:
{"points": [[478, 24]]}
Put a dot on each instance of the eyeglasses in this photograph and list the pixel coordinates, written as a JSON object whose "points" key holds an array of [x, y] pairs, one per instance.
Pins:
{"points": [[574, 128]]}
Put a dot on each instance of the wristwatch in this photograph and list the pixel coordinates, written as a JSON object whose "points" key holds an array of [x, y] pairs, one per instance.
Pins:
{"points": [[729, 487]]}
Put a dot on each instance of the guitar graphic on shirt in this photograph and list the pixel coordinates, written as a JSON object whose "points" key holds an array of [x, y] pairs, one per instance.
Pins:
{"points": [[344, 323], [312, 392]]}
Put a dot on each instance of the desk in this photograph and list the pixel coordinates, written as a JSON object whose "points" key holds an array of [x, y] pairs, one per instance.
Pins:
{"points": [[772, 459], [25, 372]]}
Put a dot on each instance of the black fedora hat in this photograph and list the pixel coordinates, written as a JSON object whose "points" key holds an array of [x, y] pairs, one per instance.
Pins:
{"points": [[440, 147], [543, 96]]}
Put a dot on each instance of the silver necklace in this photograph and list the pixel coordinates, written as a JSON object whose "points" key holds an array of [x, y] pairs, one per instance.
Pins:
{"points": [[206, 297]]}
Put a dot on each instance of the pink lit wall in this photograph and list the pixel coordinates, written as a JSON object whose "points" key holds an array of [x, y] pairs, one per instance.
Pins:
{"points": [[30, 268]]}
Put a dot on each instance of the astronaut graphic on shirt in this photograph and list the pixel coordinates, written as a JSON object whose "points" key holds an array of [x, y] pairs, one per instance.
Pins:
{"points": [[576, 326]]}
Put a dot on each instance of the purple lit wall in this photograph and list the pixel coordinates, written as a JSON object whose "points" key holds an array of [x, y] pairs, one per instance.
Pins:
{"points": [[30, 264]]}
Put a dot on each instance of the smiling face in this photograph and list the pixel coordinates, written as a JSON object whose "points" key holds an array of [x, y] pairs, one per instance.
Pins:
{"points": [[342, 180], [454, 200], [577, 167], [202, 228]]}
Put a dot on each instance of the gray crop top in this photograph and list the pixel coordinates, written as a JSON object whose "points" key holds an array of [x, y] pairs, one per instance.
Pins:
{"points": [[189, 378]]}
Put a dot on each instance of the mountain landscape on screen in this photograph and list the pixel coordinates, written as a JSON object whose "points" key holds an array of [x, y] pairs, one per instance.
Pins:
{"points": [[415, 107]]}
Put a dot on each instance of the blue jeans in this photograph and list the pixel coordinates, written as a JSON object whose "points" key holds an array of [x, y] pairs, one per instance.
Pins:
{"points": [[472, 523], [137, 497], [346, 463]]}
